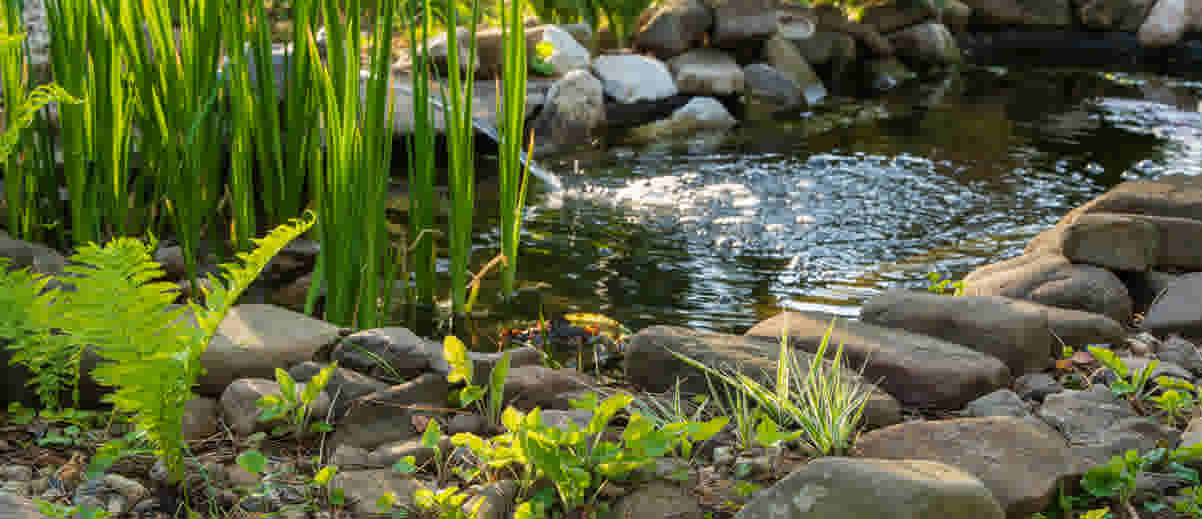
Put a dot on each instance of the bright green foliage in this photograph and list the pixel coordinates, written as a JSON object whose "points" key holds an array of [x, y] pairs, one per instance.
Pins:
{"points": [[151, 353], [57, 511], [421, 154], [939, 285], [23, 116], [461, 168], [823, 400], [446, 503], [26, 319], [1191, 503], [1133, 386], [577, 461], [1118, 478], [461, 371], [622, 16], [294, 405]]}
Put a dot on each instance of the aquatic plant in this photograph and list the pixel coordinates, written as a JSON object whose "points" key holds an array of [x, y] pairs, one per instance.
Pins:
{"points": [[352, 187], [511, 105], [421, 157], [461, 169]]}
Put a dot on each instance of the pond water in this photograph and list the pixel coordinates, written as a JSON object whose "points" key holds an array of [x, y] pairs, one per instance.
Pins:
{"points": [[828, 207]]}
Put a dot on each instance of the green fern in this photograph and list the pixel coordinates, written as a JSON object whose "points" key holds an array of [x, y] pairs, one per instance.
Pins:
{"points": [[25, 317], [151, 351]]}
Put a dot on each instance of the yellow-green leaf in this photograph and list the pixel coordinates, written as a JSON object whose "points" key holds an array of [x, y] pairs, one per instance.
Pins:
{"points": [[456, 355]]}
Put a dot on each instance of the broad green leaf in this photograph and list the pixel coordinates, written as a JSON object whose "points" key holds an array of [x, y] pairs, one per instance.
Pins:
{"points": [[432, 435], [470, 394], [324, 475], [1174, 383], [606, 411], [406, 465], [287, 385], [456, 355], [1110, 360], [386, 501], [317, 384], [252, 461], [543, 50], [496, 385]]}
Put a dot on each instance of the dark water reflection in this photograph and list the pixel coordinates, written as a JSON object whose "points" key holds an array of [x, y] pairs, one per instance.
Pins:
{"points": [[825, 210]]}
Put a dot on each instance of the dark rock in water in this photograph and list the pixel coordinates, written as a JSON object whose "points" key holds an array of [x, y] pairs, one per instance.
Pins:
{"points": [[1052, 280], [858, 488], [650, 364], [770, 88], [1178, 309], [918, 370], [1022, 464]]}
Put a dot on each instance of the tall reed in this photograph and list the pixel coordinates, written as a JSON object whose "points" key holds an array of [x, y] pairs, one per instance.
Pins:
{"points": [[353, 184], [173, 49], [512, 109], [457, 112], [421, 155], [22, 187]]}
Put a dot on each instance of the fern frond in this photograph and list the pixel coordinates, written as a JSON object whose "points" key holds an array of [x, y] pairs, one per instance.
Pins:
{"points": [[25, 325], [40, 97]]}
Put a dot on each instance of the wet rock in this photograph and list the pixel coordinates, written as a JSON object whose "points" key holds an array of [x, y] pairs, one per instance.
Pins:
{"points": [[702, 114], [916, 369], [1112, 241], [631, 78], [1115, 15], [856, 488], [344, 385], [740, 22], [1177, 311], [1021, 464], [1052, 280], [651, 366], [889, 18], [784, 56], [706, 72], [200, 418], [928, 43], [389, 354], [365, 487], [573, 113], [1036, 386], [1012, 330], [239, 405], [769, 89], [492, 501], [1167, 21], [537, 386], [1002, 402], [673, 27], [567, 54], [832, 18], [659, 500], [827, 46], [1023, 12], [887, 73], [255, 339], [1181, 352]]}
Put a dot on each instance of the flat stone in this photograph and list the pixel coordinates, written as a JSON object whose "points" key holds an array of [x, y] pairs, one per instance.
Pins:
{"points": [[255, 339], [1012, 330], [1081, 416], [365, 487], [650, 364], [1022, 464], [1112, 241], [918, 370], [1036, 386], [859, 488], [1179, 351], [1051, 279], [1002, 402], [1178, 310], [631, 78], [658, 500], [396, 354]]}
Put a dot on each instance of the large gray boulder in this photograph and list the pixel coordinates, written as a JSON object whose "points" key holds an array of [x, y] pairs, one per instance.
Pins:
{"points": [[672, 28], [573, 113], [396, 354], [858, 488], [631, 78], [1051, 279], [918, 370], [1023, 334], [1098, 426], [1021, 463], [707, 72], [650, 364], [255, 339]]}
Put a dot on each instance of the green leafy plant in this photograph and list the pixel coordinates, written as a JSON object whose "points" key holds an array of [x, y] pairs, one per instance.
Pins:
{"points": [[26, 322], [1178, 400], [294, 405], [151, 353], [446, 503], [462, 371], [1190, 503], [1118, 478], [941, 286], [1131, 385], [825, 402], [318, 485]]}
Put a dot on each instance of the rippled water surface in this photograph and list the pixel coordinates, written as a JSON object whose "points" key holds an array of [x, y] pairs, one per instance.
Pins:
{"points": [[825, 209]]}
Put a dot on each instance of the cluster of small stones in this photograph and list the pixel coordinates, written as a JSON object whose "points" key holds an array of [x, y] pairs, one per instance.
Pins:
{"points": [[967, 414]]}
